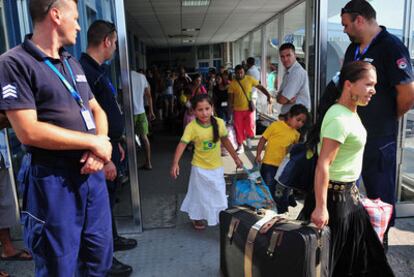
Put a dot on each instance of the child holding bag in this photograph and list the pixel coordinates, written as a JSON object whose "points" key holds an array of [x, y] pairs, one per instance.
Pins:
{"points": [[279, 136]]}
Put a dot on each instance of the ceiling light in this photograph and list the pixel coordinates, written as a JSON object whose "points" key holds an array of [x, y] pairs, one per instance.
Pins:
{"points": [[180, 36], [190, 29], [195, 3], [188, 40]]}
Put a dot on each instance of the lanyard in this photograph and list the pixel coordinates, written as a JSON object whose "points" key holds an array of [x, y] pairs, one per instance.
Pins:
{"points": [[358, 56], [111, 87], [70, 88]]}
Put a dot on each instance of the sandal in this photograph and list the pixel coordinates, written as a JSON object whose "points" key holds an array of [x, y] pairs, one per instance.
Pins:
{"points": [[199, 225], [4, 274], [21, 255]]}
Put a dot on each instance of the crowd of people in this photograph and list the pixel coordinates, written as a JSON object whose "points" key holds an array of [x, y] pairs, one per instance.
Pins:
{"points": [[66, 114]]}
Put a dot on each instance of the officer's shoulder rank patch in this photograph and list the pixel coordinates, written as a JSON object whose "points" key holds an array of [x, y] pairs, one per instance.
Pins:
{"points": [[9, 91]]}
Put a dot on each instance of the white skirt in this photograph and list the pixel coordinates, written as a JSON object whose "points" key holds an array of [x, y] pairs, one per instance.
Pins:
{"points": [[206, 195]]}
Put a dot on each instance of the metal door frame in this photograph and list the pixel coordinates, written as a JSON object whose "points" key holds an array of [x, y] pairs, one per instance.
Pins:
{"points": [[120, 21]]}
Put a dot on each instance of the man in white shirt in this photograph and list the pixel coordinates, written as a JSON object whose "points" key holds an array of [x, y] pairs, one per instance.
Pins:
{"points": [[295, 84], [141, 89]]}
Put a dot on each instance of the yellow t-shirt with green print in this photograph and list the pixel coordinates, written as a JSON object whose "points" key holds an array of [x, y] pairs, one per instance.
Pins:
{"points": [[207, 154]]}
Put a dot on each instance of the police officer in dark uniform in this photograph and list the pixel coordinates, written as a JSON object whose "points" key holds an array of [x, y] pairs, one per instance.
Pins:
{"points": [[394, 96], [102, 39], [46, 98]]}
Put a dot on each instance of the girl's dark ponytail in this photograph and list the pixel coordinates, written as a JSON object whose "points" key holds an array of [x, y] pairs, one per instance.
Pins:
{"points": [[214, 123]]}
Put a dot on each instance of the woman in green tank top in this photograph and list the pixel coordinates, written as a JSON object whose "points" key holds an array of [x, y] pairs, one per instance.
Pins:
{"points": [[355, 247]]}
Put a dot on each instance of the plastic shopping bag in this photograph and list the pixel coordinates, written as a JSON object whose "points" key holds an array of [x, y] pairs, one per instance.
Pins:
{"points": [[379, 214], [252, 191]]}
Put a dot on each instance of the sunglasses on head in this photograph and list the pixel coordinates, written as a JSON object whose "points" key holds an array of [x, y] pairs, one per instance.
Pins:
{"points": [[347, 10]]}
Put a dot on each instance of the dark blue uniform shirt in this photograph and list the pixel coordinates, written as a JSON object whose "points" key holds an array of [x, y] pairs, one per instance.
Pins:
{"points": [[28, 83], [392, 61], [105, 94]]}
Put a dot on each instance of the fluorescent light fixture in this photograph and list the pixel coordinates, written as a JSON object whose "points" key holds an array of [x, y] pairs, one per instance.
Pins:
{"points": [[188, 40], [190, 29], [195, 3]]}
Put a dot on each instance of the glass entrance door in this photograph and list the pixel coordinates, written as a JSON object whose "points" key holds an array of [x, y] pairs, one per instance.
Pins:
{"points": [[390, 14], [405, 191]]}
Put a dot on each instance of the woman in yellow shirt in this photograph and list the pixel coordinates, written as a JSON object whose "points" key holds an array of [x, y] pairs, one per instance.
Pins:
{"points": [[279, 136]]}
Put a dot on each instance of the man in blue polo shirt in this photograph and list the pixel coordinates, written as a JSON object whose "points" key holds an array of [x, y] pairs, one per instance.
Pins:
{"points": [[46, 98], [394, 96], [102, 39]]}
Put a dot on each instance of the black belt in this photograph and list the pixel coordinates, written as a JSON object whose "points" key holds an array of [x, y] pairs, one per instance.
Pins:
{"points": [[340, 186], [56, 161]]}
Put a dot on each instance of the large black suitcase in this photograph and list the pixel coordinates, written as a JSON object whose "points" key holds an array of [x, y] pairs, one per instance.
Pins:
{"points": [[262, 244]]}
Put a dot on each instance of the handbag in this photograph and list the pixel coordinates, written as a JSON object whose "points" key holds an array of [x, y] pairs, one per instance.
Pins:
{"points": [[182, 98], [379, 214], [251, 105], [297, 169], [252, 191]]}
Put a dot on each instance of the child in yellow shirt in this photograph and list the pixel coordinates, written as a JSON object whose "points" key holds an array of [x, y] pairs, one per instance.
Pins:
{"points": [[206, 195], [279, 136]]}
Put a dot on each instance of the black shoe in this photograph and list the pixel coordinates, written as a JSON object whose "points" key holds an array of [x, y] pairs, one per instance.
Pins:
{"points": [[121, 243], [119, 269], [122, 179]]}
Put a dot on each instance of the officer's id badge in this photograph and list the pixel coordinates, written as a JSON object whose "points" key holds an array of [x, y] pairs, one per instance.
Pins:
{"points": [[402, 63], [368, 60], [9, 91], [87, 118], [81, 78], [208, 145]]}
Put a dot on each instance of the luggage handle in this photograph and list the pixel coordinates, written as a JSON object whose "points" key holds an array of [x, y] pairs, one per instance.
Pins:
{"points": [[232, 228], [318, 231], [277, 219], [249, 173], [275, 241]]}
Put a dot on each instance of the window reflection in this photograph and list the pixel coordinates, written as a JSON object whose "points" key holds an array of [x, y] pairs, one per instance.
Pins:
{"points": [[245, 48], [294, 29], [257, 47], [272, 62], [3, 41], [237, 50]]}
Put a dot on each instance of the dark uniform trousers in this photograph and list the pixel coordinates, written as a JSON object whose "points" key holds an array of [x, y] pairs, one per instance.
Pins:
{"points": [[379, 169], [67, 219]]}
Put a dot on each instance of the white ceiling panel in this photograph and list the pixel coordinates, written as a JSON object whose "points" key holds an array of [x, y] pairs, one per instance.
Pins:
{"points": [[223, 20]]}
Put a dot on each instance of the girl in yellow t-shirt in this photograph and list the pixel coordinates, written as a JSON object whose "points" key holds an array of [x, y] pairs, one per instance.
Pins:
{"points": [[206, 195], [279, 136]]}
